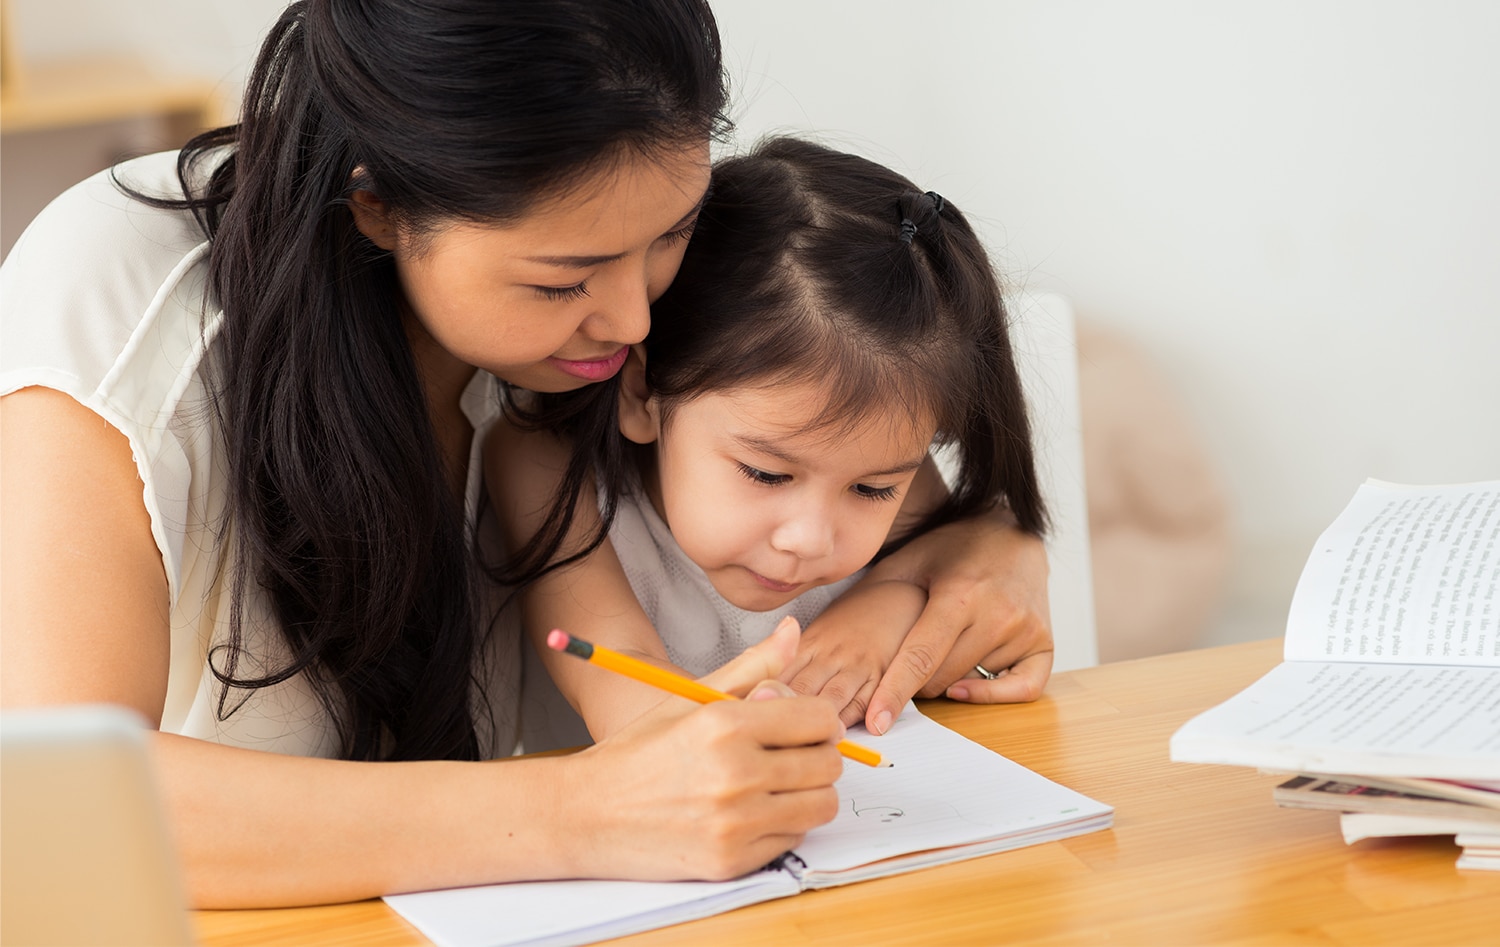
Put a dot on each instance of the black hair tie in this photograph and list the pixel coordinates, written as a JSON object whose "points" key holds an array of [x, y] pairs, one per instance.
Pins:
{"points": [[908, 230], [937, 202]]}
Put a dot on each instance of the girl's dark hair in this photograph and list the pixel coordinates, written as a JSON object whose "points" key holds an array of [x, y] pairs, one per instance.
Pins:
{"points": [[340, 506], [807, 263]]}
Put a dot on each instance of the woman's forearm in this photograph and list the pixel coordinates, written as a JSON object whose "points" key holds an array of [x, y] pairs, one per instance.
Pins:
{"points": [[685, 792], [256, 829]]}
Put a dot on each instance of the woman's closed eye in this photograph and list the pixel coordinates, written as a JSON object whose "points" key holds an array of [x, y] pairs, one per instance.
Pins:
{"points": [[682, 233], [564, 293], [761, 476]]}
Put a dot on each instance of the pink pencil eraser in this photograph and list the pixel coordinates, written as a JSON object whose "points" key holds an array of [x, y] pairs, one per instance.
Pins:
{"points": [[557, 639]]}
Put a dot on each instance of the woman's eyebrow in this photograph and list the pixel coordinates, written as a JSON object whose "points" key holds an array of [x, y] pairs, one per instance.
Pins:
{"points": [[583, 262], [576, 262]]}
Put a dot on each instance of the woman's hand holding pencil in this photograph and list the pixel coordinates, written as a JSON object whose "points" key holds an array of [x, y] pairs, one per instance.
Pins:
{"points": [[709, 792], [559, 640]]}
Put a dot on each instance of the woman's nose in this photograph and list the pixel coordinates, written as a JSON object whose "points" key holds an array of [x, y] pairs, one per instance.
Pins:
{"points": [[622, 311]]}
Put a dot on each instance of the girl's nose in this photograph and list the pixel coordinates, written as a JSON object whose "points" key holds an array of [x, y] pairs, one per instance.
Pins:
{"points": [[807, 534]]}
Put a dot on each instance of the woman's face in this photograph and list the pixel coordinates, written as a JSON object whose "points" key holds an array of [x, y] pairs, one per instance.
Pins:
{"points": [[552, 301]]}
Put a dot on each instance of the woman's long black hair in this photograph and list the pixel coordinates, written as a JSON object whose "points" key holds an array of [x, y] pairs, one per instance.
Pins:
{"points": [[340, 508], [808, 263]]}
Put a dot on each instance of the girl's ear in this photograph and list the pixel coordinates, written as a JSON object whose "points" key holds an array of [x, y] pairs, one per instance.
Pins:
{"points": [[372, 218], [638, 414]]}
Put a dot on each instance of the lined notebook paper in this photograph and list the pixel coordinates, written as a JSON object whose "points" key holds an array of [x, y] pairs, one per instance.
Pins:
{"points": [[945, 798]]}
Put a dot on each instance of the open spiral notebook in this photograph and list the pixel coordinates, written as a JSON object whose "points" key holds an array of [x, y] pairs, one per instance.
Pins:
{"points": [[945, 799]]}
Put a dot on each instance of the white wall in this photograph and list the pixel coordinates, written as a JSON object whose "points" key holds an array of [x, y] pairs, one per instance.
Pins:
{"points": [[1293, 206]]}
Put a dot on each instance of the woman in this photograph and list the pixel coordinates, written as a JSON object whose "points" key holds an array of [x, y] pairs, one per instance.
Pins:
{"points": [[238, 434]]}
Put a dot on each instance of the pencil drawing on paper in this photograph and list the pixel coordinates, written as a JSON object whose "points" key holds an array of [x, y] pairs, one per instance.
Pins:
{"points": [[877, 813]]}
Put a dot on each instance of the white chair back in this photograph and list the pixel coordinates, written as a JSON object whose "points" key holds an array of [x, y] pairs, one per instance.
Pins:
{"points": [[1046, 350]]}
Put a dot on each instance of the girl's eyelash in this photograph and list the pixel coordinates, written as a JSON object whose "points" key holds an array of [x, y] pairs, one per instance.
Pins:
{"points": [[875, 493], [761, 477], [864, 492], [564, 293]]}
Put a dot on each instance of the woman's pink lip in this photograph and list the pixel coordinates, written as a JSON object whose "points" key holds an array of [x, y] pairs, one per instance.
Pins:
{"points": [[596, 370]]}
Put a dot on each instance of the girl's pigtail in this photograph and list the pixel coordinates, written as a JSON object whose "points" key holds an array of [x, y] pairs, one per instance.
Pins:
{"points": [[986, 418]]}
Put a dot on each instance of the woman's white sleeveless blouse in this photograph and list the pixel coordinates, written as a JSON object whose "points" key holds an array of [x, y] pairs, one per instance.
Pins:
{"points": [[105, 299]]}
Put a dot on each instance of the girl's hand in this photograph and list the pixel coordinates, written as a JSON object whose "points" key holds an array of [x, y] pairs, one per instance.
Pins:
{"points": [[846, 650], [986, 587], [709, 792]]}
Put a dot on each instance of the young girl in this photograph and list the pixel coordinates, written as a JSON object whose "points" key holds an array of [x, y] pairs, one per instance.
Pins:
{"points": [[829, 325]]}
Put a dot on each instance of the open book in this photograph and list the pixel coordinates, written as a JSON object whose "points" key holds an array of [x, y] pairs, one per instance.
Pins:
{"points": [[945, 798], [1392, 654]]}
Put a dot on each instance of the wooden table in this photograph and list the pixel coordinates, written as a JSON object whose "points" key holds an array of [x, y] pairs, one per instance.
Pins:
{"points": [[1197, 855]]}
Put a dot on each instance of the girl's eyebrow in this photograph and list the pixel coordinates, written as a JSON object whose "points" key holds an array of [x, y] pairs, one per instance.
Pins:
{"points": [[583, 262], [905, 468], [764, 445], [769, 447]]}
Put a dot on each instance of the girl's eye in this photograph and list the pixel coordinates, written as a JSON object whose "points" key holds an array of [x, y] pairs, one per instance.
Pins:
{"points": [[874, 493], [760, 476], [564, 293]]}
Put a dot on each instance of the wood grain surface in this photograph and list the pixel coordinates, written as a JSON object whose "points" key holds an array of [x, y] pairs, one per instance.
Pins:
{"points": [[1197, 855]]}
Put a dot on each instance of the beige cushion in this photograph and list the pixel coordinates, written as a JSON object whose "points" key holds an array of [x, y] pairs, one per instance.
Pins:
{"points": [[1158, 517]]}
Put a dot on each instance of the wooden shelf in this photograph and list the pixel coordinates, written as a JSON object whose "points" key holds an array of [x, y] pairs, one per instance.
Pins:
{"points": [[67, 93], [84, 92]]}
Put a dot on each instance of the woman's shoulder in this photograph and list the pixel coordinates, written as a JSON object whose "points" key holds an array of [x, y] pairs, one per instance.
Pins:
{"points": [[98, 221], [93, 267]]}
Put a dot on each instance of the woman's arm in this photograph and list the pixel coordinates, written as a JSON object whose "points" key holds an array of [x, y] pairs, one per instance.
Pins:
{"points": [[85, 605], [693, 792], [688, 792], [986, 589], [987, 604]]}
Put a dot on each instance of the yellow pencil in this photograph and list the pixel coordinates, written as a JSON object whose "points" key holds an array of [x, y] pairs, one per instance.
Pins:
{"points": [[559, 640]]}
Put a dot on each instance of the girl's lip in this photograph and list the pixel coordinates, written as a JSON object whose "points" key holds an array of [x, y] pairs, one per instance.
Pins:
{"points": [[594, 370], [772, 584]]}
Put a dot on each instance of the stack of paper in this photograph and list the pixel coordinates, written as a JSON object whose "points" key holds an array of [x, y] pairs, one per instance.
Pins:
{"points": [[1480, 840], [1376, 808], [1388, 702]]}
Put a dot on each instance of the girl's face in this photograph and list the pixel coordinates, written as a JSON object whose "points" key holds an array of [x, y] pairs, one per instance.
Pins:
{"points": [[770, 507], [550, 302]]}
